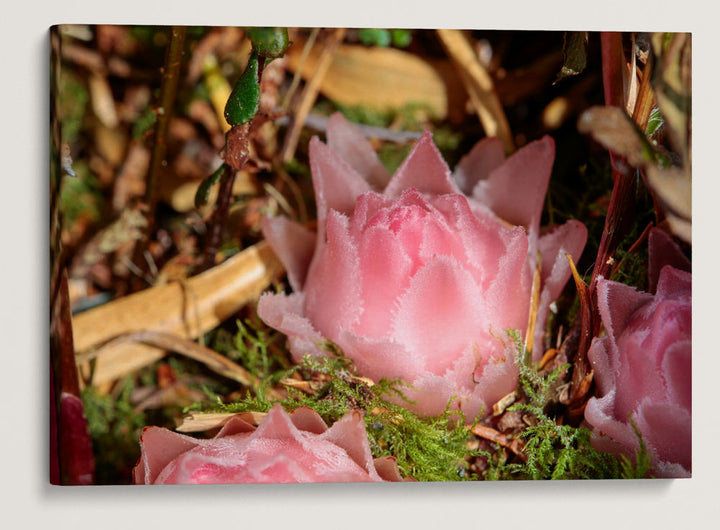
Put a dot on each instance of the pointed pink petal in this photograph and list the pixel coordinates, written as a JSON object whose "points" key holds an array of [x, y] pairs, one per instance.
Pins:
{"points": [[332, 302], [617, 302], [453, 229], [380, 357], [516, 190], [235, 425], [512, 281], [437, 314], [349, 434], [294, 244], [674, 283], [638, 376], [285, 314], [387, 468], [159, 447], [431, 394], [385, 271], [478, 163], [604, 364], [276, 425], [609, 435], [569, 238], [306, 419], [663, 251], [347, 141], [677, 367], [667, 431], [496, 380], [424, 169], [336, 184]]}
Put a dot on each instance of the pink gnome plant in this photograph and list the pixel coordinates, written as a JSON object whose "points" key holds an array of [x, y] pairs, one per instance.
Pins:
{"points": [[419, 275], [643, 365], [284, 448]]}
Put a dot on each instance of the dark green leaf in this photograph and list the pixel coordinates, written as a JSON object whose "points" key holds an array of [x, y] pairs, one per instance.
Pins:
{"points": [[269, 42], [203, 192], [401, 37], [244, 100], [375, 37]]}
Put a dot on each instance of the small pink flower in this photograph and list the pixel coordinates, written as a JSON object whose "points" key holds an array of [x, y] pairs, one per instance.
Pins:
{"points": [[295, 447], [419, 275], [643, 366]]}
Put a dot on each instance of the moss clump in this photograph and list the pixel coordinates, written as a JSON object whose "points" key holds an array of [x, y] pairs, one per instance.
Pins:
{"points": [[553, 450], [427, 449], [115, 429]]}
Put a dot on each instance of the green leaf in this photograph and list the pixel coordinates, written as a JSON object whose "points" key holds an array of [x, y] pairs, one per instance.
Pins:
{"points": [[269, 42], [654, 122], [203, 192], [401, 37], [244, 100], [375, 37]]}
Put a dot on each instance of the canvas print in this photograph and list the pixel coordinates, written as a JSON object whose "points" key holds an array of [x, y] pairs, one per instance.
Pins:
{"points": [[284, 255]]}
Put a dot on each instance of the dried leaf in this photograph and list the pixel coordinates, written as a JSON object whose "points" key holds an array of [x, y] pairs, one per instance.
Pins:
{"points": [[574, 53], [614, 129], [384, 79], [204, 421], [672, 83]]}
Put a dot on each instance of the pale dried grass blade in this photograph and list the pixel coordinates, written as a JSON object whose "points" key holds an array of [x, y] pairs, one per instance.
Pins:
{"points": [[479, 85], [167, 341], [310, 93]]}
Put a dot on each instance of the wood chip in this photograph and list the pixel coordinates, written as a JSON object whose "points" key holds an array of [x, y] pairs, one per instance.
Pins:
{"points": [[504, 402]]}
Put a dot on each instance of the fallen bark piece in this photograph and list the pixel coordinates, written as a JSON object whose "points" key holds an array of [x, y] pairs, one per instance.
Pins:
{"points": [[186, 309]]}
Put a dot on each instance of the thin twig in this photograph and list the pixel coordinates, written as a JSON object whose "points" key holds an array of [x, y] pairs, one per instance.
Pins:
{"points": [[479, 85], [488, 433], [171, 78], [310, 94]]}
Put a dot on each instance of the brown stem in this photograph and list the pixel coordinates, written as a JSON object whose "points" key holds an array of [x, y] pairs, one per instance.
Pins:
{"points": [[168, 93], [619, 214], [219, 216], [236, 155]]}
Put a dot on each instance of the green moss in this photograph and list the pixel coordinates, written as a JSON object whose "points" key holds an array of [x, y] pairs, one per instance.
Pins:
{"points": [[80, 195], [74, 98], [428, 449], [554, 451], [115, 429]]}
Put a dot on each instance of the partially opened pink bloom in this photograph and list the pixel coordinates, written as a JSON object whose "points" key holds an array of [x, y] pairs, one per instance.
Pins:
{"points": [[643, 366], [418, 275], [295, 447]]}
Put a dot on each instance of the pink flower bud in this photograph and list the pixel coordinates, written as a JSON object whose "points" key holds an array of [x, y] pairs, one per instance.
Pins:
{"points": [[643, 366], [295, 447], [419, 275]]}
